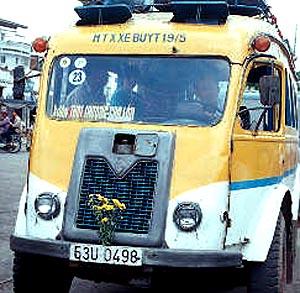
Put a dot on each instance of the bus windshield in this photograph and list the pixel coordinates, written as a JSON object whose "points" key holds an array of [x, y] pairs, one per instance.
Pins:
{"points": [[156, 90]]}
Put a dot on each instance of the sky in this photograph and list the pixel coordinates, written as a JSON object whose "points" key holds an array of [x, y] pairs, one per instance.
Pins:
{"points": [[45, 18]]}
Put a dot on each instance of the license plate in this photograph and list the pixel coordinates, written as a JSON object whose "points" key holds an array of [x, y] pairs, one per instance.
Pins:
{"points": [[117, 255]]}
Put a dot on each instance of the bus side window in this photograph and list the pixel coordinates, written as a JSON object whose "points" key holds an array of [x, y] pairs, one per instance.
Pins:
{"points": [[292, 100], [253, 114], [296, 107], [288, 104]]}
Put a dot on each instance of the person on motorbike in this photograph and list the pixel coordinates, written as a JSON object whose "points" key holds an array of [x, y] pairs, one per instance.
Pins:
{"points": [[4, 125], [12, 142], [16, 122]]}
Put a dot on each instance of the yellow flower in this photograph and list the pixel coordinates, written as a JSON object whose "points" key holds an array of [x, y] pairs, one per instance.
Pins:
{"points": [[102, 199], [108, 207], [118, 204], [97, 208], [122, 206], [104, 220], [107, 213]]}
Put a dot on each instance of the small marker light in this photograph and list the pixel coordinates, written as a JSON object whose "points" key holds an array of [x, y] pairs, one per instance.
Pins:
{"points": [[261, 43], [40, 45]]}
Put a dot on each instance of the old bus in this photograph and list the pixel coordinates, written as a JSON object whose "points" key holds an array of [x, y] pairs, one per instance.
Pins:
{"points": [[165, 142]]}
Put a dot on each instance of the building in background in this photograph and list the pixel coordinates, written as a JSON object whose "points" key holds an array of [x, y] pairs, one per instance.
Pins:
{"points": [[14, 51]]}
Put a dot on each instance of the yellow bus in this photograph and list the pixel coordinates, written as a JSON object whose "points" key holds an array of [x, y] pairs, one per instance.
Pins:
{"points": [[165, 143]]}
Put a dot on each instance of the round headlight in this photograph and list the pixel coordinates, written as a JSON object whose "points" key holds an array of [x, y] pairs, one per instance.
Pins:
{"points": [[187, 216], [47, 206]]}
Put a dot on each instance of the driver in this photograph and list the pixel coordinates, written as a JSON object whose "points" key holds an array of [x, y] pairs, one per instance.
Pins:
{"points": [[207, 93], [202, 102]]}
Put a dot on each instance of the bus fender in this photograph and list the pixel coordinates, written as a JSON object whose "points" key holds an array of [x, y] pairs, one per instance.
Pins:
{"points": [[20, 226], [296, 195], [254, 214]]}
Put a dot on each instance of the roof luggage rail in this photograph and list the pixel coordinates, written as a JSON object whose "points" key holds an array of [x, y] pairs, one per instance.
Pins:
{"points": [[248, 7], [214, 12], [104, 12], [203, 11], [95, 12]]}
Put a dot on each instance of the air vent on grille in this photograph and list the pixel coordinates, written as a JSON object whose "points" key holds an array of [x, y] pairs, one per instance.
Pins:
{"points": [[136, 189]]}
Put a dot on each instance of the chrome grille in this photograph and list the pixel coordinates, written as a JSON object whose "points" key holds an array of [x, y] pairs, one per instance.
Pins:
{"points": [[136, 189]]}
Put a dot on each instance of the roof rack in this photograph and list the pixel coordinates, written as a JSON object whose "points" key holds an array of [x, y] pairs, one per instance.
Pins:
{"points": [[248, 7], [103, 14], [212, 11], [216, 11]]}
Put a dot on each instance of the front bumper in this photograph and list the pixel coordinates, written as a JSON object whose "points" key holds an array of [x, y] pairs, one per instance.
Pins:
{"points": [[155, 257]]}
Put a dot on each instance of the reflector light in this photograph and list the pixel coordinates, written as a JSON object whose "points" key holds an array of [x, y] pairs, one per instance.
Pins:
{"points": [[273, 19], [261, 43], [40, 45]]}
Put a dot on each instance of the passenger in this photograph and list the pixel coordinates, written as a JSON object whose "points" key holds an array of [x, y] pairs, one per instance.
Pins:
{"points": [[91, 92], [126, 93]]}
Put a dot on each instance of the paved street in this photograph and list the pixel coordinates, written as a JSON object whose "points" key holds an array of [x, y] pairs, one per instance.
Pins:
{"points": [[12, 178]]}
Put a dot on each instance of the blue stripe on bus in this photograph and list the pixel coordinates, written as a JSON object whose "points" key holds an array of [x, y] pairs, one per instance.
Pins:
{"points": [[260, 182], [290, 172]]}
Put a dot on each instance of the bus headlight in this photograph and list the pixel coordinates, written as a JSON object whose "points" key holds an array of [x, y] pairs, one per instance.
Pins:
{"points": [[187, 216], [47, 206]]}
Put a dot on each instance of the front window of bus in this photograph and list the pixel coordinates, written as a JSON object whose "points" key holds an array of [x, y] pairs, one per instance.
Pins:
{"points": [[155, 90]]}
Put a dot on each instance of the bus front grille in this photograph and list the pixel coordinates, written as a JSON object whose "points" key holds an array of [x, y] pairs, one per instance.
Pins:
{"points": [[136, 190]]}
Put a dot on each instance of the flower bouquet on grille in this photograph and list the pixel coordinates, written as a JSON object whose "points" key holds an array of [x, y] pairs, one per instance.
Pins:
{"points": [[108, 214]]}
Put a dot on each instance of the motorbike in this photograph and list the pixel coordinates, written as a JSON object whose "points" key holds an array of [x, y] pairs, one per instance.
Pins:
{"points": [[18, 138], [11, 144]]}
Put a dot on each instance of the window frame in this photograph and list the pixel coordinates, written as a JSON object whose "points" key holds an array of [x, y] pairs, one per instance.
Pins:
{"points": [[255, 63], [219, 57]]}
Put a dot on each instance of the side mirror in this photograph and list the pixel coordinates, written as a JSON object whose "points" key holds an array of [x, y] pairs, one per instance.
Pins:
{"points": [[36, 63], [269, 89]]}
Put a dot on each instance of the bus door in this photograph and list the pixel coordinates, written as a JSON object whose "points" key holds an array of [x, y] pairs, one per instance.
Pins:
{"points": [[257, 149]]}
